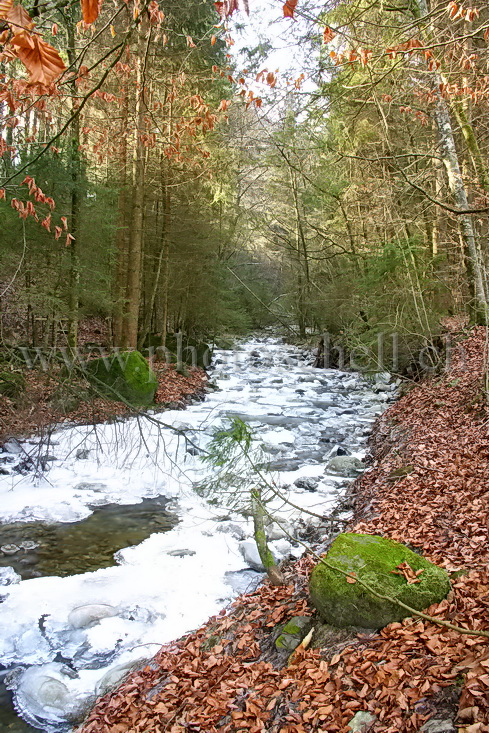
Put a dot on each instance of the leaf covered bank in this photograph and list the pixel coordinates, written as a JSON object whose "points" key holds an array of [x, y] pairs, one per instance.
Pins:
{"points": [[225, 676]]}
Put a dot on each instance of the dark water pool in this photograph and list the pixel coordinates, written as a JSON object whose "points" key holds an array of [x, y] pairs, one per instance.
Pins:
{"points": [[36, 549]]}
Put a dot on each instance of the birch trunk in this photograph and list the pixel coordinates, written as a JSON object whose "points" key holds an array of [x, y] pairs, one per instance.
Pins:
{"points": [[449, 156]]}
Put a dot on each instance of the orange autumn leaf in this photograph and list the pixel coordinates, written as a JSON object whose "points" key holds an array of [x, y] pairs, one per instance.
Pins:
{"points": [[90, 10], [289, 8], [213, 40], [328, 34], [5, 7], [41, 60], [351, 578], [19, 19]]}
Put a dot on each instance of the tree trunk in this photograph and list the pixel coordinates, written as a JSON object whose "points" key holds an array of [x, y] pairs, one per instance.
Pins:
{"points": [[75, 164], [120, 284], [260, 536], [136, 233]]}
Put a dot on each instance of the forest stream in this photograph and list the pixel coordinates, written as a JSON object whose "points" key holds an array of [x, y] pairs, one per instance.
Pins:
{"points": [[110, 544]]}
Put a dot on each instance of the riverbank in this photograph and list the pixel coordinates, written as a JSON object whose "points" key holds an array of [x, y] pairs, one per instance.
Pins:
{"points": [[45, 402], [427, 485]]}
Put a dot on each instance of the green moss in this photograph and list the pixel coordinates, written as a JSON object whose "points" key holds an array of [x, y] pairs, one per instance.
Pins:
{"points": [[125, 376], [292, 633], [372, 559]]}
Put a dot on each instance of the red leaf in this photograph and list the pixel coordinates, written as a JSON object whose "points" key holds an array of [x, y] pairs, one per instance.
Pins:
{"points": [[90, 10], [289, 8], [41, 60]]}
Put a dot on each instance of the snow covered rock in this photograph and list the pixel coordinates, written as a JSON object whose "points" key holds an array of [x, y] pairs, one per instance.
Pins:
{"points": [[345, 465], [8, 576], [249, 550]]}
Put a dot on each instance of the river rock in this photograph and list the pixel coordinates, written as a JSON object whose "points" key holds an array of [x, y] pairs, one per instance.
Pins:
{"points": [[344, 465], [438, 725], [251, 556], [12, 446], [8, 576], [181, 553], [233, 529], [375, 561], [10, 549], [243, 581], [84, 617], [361, 722], [309, 484], [43, 697], [116, 674], [292, 633]]}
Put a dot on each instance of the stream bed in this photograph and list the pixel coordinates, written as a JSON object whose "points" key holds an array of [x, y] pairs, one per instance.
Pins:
{"points": [[107, 551]]}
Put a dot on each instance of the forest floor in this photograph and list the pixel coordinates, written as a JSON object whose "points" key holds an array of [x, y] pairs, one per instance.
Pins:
{"points": [[427, 485], [46, 402]]}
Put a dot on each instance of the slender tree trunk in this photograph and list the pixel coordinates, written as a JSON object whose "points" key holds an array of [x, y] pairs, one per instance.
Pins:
{"points": [[122, 234], [136, 233], [260, 536], [75, 163], [449, 156]]}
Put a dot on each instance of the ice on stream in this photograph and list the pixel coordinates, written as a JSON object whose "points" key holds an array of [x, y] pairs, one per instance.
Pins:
{"points": [[68, 639]]}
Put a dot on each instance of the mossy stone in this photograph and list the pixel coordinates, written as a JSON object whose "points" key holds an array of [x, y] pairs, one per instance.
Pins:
{"points": [[372, 559], [125, 376], [293, 633]]}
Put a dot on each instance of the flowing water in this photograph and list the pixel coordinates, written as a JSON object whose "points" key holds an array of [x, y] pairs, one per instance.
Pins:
{"points": [[107, 550]]}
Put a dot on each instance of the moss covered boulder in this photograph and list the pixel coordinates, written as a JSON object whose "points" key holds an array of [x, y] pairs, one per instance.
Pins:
{"points": [[375, 561], [125, 376]]}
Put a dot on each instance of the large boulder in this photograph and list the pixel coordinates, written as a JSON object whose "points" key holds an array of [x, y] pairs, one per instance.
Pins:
{"points": [[125, 376], [345, 466], [375, 561]]}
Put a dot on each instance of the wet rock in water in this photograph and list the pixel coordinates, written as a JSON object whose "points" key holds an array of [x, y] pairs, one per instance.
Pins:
{"points": [[83, 617], [281, 548], [82, 454], [8, 576], [181, 553], [309, 484], [10, 549], [361, 722], [378, 562], [279, 531], [345, 465], [12, 446], [292, 633], [28, 545], [233, 529], [115, 675], [251, 556], [86, 486], [285, 464], [42, 695], [243, 581]]}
